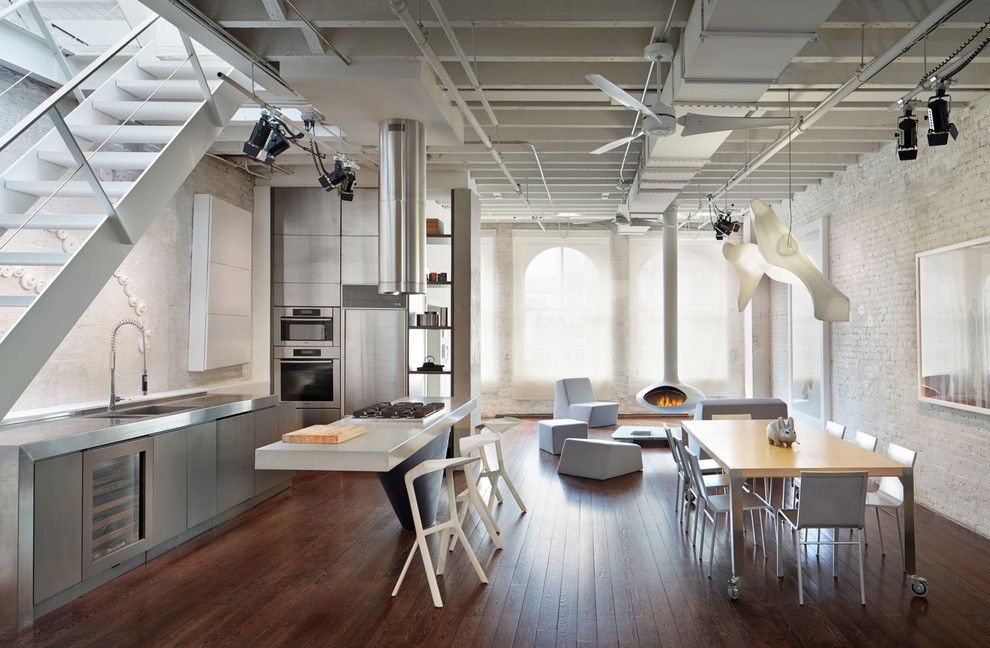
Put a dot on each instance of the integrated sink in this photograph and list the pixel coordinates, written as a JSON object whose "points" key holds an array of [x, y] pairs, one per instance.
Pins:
{"points": [[154, 410]]}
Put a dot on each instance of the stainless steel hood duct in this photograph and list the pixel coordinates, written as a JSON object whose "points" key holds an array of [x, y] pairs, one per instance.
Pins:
{"points": [[402, 207], [670, 395]]}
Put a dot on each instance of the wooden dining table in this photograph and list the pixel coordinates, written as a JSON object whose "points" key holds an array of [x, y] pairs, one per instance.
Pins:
{"points": [[741, 448]]}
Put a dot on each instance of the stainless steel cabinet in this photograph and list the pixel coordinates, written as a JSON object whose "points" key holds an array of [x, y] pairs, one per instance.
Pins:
{"points": [[360, 216], [171, 474], [307, 210], [57, 524], [118, 495], [201, 476], [375, 356], [235, 460], [359, 259], [266, 430], [306, 259]]}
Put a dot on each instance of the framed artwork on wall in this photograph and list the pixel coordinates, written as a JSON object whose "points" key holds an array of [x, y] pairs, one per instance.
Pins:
{"points": [[953, 284]]}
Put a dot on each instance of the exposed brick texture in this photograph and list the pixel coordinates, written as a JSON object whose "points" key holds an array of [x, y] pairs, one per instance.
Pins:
{"points": [[882, 213]]}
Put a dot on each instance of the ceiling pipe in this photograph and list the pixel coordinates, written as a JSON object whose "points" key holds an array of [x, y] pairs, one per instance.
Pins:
{"points": [[462, 57], [923, 26], [401, 10]]}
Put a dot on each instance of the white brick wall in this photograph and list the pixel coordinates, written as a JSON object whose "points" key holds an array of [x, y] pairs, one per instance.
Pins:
{"points": [[883, 211]]}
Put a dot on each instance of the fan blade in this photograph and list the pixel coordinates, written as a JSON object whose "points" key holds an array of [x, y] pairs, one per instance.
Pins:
{"points": [[616, 144], [619, 94], [695, 124]]}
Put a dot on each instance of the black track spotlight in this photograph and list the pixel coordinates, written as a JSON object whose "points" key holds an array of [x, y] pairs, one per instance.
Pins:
{"points": [[255, 145], [725, 226], [939, 126], [907, 136], [347, 186], [330, 180]]}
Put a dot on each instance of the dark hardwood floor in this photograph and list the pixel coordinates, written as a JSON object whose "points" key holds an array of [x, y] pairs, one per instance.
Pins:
{"points": [[590, 564]]}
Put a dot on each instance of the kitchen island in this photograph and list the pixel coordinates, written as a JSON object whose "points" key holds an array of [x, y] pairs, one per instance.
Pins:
{"points": [[388, 447]]}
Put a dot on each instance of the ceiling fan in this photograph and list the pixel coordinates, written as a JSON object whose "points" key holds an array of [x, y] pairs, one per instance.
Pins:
{"points": [[660, 120]]}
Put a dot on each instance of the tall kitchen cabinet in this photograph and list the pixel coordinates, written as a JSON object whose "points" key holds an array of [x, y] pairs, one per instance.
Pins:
{"points": [[306, 269]]}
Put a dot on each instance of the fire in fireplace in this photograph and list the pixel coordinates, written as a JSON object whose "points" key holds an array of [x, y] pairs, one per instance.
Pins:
{"points": [[665, 396]]}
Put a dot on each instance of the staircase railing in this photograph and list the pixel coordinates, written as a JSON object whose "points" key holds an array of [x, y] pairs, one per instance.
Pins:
{"points": [[49, 108]]}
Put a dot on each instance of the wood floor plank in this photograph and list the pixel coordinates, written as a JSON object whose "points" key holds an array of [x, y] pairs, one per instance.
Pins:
{"points": [[590, 564]]}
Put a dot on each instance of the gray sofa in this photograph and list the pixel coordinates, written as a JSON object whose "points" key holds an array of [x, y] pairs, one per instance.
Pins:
{"points": [[574, 399], [757, 408]]}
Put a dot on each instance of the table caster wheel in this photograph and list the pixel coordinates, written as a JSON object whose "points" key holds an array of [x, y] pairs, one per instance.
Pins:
{"points": [[919, 586], [733, 588]]}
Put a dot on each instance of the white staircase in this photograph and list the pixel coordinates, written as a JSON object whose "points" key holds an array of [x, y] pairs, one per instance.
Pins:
{"points": [[141, 132]]}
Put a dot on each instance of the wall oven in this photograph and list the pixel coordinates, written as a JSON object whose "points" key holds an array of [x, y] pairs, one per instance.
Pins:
{"points": [[308, 376], [307, 326]]}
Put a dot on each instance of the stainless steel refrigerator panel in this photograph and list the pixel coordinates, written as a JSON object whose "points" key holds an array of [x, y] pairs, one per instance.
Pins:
{"points": [[305, 210], [359, 260], [306, 259], [375, 357], [305, 294], [360, 216]]}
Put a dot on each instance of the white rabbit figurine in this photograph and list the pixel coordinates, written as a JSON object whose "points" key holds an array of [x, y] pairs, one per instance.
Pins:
{"points": [[781, 432]]}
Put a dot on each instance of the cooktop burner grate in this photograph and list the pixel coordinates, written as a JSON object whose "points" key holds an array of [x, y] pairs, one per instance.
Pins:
{"points": [[405, 410]]}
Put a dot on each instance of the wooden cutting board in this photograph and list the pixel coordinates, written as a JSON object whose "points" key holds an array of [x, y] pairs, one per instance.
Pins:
{"points": [[333, 433]]}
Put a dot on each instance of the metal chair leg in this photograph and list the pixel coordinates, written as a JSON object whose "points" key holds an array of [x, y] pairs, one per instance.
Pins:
{"points": [[763, 538], [711, 551], [701, 547], [876, 509], [776, 536], [862, 581], [797, 555]]}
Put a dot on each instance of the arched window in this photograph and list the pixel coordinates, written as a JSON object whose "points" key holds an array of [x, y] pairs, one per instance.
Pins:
{"points": [[703, 352], [563, 304]]}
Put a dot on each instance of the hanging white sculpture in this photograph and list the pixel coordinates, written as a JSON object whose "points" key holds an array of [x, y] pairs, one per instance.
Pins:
{"points": [[779, 247], [751, 266]]}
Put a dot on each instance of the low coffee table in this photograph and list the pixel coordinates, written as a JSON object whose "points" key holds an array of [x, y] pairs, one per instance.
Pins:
{"points": [[628, 433]]}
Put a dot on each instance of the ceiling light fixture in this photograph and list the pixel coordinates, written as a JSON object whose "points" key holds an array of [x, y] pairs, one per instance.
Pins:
{"points": [[907, 135], [269, 138], [939, 126]]}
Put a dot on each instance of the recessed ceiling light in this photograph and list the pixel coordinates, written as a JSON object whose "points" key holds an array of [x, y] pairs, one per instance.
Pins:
{"points": [[568, 214], [497, 195]]}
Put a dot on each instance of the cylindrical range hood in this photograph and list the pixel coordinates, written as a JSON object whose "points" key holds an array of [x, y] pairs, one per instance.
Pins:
{"points": [[402, 207]]}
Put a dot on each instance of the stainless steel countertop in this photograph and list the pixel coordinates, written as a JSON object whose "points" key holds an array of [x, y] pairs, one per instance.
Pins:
{"points": [[50, 437]]}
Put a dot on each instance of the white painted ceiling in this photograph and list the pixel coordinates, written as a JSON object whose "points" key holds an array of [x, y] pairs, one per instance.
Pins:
{"points": [[531, 58]]}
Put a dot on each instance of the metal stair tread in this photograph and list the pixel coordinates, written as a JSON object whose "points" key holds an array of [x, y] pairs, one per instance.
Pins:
{"points": [[126, 134], [162, 69], [34, 258], [152, 110], [51, 221], [102, 159], [71, 189], [171, 90]]}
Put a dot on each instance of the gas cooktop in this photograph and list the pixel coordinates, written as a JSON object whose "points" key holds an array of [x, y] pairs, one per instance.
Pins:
{"points": [[398, 411]]}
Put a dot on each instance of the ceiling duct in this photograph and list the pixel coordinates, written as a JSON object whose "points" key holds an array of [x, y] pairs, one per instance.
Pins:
{"points": [[402, 207]]}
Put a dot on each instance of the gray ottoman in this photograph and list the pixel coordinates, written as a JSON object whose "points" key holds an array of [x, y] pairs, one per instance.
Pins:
{"points": [[596, 459], [554, 432]]}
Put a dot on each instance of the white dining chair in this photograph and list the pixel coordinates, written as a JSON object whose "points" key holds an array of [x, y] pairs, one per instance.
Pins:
{"points": [[890, 495], [473, 446], [865, 441], [835, 429], [828, 501], [710, 507], [449, 527], [684, 480]]}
